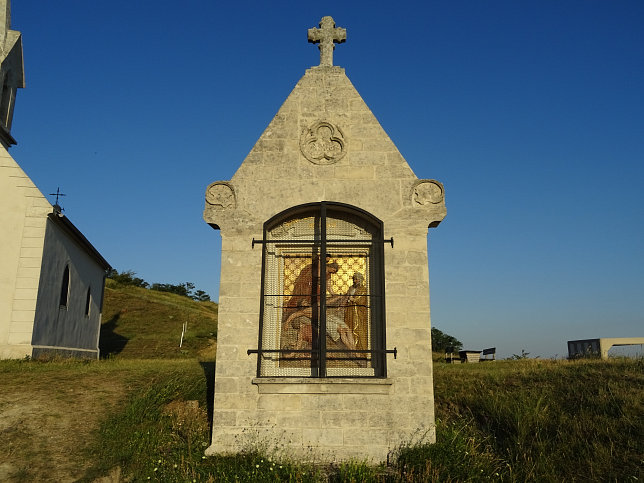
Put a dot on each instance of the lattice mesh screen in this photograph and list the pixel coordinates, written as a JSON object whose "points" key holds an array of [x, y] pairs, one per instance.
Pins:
{"points": [[292, 298]]}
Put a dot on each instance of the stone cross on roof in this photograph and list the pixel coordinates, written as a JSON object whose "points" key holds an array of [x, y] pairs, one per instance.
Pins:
{"points": [[326, 35]]}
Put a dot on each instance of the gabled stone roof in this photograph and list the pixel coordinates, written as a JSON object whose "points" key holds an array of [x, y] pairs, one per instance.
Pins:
{"points": [[324, 143]]}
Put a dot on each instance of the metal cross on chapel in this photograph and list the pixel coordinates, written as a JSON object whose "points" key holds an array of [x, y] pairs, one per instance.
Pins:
{"points": [[326, 35], [57, 194]]}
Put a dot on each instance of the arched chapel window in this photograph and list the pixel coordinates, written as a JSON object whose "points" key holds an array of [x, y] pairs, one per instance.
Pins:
{"points": [[64, 289], [6, 101], [322, 309], [88, 301]]}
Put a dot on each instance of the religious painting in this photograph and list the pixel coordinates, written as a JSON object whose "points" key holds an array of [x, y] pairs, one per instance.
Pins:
{"points": [[321, 308]]}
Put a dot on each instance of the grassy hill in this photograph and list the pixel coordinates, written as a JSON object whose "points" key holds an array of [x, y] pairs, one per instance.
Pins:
{"points": [[133, 416], [147, 324]]}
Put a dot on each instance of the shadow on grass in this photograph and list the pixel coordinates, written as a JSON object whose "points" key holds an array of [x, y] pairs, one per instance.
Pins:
{"points": [[110, 342], [209, 373]]}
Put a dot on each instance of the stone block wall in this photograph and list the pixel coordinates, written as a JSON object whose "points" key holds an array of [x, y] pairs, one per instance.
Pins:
{"points": [[23, 220], [338, 418]]}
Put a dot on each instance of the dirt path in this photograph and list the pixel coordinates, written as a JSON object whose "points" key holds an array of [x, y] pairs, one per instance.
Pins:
{"points": [[47, 420]]}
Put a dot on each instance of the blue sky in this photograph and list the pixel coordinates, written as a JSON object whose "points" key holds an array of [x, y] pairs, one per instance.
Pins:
{"points": [[530, 113]]}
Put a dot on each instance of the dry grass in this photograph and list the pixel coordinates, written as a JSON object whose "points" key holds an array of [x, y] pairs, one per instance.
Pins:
{"points": [[52, 411]]}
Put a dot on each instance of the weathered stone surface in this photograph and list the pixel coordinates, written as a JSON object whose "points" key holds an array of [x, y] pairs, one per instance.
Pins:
{"points": [[324, 144], [326, 36]]}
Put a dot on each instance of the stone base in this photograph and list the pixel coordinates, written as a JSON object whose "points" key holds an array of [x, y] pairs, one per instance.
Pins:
{"points": [[318, 445], [15, 351], [40, 352]]}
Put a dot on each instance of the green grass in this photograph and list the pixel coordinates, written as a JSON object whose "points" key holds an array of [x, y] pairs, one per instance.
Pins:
{"points": [[158, 435], [51, 410], [552, 420], [141, 323], [144, 436], [524, 420], [504, 421]]}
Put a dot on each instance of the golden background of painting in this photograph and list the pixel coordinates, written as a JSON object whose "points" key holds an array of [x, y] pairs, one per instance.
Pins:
{"points": [[341, 281]]}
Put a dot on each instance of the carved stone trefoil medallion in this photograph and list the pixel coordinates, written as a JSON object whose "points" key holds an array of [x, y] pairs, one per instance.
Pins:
{"points": [[323, 143], [427, 192], [221, 194]]}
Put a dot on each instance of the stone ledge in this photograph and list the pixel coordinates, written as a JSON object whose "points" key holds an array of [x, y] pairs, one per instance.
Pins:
{"points": [[302, 385]]}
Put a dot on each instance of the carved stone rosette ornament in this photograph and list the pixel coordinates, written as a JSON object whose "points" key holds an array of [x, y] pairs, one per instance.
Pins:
{"points": [[221, 195], [427, 192], [323, 143]]}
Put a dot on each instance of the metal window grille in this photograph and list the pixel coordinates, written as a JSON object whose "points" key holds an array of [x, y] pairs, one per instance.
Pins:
{"points": [[322, 304]]}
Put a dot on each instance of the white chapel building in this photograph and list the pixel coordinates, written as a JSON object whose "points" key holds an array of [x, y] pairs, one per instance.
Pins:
{"points": [[51, 277]]}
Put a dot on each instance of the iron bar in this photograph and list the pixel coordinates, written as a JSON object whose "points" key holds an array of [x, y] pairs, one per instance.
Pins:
{"points": [[319, 242], [393, 351], [322, 281]]}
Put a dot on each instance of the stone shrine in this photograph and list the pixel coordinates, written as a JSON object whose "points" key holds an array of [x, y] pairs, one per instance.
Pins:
{"points": [[324, 345]]}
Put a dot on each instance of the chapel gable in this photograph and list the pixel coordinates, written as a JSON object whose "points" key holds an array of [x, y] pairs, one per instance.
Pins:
{"points": [[324, 143]]}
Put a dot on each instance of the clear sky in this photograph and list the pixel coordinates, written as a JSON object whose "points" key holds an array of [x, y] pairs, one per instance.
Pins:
{"points": [[530, 112]]}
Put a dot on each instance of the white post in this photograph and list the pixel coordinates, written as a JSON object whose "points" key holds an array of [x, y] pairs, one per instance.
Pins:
{"points": [[183, 331]]}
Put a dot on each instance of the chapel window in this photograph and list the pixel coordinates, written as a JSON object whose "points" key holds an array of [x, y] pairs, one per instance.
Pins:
{"points": [[88, 301], [322, 308], [64, 289], [6, 102]]}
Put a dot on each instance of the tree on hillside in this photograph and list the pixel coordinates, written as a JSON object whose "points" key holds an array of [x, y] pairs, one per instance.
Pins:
{"points": [[441, 341], [187, 289], [128, 277], [184, 289], [201, 296]]}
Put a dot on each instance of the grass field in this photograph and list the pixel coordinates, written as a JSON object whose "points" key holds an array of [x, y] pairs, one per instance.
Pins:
{"points": [[147, 324], [503, 421], [132, 418]]}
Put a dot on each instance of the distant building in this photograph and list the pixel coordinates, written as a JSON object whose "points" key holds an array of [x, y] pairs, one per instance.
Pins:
{"points": [[599, 347], [51, 277]]}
